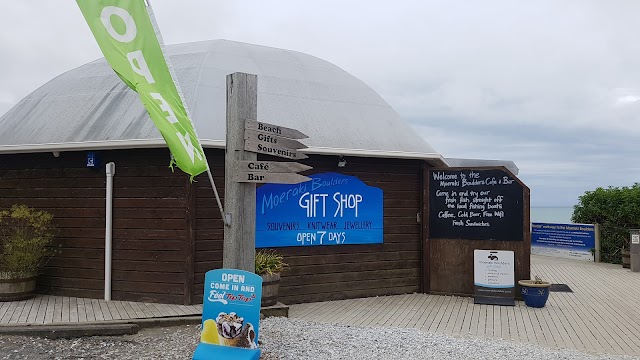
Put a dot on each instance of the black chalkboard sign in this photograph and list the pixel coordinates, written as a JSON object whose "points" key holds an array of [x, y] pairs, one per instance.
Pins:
{"points": [[475, 204]]}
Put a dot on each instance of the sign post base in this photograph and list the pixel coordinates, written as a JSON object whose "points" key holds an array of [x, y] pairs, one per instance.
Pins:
{"points": [[490, 300]]}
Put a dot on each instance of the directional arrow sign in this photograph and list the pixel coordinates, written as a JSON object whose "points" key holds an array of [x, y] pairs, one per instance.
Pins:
{"points": [[274, 129], [272, 166], [275, 150], [269, 139], [274, 178]]}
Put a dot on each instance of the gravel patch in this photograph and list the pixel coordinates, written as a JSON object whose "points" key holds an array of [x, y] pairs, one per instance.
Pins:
{"points": [[283, 338], [156, 343], [298, 339]]}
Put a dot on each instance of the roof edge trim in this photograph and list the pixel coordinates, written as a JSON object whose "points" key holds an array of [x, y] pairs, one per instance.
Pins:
{"points": [[433, 158]]}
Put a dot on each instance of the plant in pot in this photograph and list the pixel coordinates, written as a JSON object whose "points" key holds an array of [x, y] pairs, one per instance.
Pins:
{"points": [[535, 292], [269, 265], [25, 238]]}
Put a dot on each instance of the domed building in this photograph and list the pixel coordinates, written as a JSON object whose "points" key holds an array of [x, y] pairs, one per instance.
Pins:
{"points": [[167, 231]]}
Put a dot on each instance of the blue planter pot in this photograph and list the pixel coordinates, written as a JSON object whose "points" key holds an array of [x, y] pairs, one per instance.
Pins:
{"points": [[534, 295]]}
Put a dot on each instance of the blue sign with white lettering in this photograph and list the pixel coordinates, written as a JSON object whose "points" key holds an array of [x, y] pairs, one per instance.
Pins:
{"points": [[230, 315], [91, 160], [329, 209], [572, 241]]}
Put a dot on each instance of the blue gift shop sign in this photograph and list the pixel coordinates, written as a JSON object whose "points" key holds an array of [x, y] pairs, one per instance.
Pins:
{"points": [[329, 209]]}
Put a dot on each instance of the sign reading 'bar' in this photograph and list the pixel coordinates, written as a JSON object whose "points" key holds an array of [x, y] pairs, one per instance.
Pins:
{"points": [[273, 178], [274, 129], [272, 166], [274, 150]]}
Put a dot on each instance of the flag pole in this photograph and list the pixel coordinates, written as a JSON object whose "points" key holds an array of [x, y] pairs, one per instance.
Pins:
{"points": [[215, 191]]}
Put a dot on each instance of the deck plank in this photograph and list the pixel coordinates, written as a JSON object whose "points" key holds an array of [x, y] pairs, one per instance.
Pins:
{"points": [[138, 310], [57, 309], [24, 315], [107, 314], [65, 309], [42, 309], [97, 310], [420, 307], [73, 310], [15, 314], [424, 311], [442, 312], [88, 310], [81, 309], [50, 310], [453, 318]]}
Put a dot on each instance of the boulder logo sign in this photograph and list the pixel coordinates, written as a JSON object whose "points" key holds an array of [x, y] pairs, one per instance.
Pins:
{"points": [[230, 315], [126, 33], [494, 277], [329, 209]]}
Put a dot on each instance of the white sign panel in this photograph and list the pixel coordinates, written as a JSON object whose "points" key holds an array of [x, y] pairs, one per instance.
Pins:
{"points": [[635, 239], [493, 269]]}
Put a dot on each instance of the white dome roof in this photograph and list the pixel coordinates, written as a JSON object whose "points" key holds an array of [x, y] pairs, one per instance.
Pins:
{"points": [[90, 107]]}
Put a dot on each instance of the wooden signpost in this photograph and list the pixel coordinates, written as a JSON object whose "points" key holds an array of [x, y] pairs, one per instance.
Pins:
{"points": [[245, 138]]}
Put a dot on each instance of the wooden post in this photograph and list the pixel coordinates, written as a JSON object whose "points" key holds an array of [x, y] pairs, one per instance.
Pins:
{"points": [[596, 229], [239, 198]]}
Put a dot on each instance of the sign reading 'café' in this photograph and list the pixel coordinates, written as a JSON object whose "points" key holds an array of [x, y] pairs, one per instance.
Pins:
{"points": [[329, 209]]}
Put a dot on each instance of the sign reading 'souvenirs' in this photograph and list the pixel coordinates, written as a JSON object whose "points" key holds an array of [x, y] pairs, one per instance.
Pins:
{"points": [[475, 204]]}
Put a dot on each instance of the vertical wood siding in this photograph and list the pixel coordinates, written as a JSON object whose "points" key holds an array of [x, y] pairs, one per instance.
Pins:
{"points": [[167, 233], [337, 272], [149, 221]]}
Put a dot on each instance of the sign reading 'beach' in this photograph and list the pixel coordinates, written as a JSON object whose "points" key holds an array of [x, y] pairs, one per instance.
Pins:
{"points": [[329, 209], [475, 204]]}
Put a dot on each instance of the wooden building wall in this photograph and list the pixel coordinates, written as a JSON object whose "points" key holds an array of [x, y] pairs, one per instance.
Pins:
{"points": [[149, 225], [209, 227], [319, 273], [168, 232]]}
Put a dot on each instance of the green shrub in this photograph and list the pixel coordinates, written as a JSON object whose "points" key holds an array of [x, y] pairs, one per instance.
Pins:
{"points": [[617, 210], [269, 262], [25, 236]]}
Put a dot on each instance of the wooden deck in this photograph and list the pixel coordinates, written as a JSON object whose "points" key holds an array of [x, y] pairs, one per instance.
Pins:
{"points": [[45, 309], [602, 315]]}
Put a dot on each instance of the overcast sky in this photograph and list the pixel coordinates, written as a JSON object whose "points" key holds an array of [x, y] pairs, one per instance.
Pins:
{"points": [[552, 85]]}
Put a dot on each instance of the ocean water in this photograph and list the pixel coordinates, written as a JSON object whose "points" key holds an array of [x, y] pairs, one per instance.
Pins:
{"points": [[552, 214]]}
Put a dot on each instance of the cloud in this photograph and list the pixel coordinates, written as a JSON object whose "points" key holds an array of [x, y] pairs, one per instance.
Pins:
{"points": [[551, 85]]}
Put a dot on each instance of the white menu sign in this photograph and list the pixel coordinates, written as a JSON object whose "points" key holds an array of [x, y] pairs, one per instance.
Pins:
{"points": [[494, 277]]}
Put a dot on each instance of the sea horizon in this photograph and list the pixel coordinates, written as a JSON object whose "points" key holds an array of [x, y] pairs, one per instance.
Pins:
{"points": [[552, 214]]}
